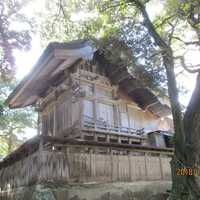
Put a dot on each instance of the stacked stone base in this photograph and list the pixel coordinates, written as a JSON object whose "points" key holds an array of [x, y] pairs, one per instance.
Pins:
{"points": [[141, 190]]}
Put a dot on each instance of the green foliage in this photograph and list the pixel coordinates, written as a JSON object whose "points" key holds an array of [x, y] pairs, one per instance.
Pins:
{"points": [[187, 11], [117, 53], [11, 38], [105, 21], [12, 122], [70, 20]]}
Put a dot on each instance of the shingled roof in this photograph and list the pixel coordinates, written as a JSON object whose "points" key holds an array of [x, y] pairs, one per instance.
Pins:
{"points": [[59, 56]]}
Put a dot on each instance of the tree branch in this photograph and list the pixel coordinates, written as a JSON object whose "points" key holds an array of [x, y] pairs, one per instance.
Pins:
{"points": [[165, 20], [156, 53], [186, 43], [172, 31], [168, 61], [147, 22], [187, 68]]}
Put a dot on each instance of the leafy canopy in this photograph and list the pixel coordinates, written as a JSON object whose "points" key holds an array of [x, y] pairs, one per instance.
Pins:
{"points": [[11, 38], [13, 123], [103, 20]]}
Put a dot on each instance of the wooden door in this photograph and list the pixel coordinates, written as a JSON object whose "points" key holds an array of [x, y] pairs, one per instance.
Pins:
{"points": [[123, 116], [105, 114]]}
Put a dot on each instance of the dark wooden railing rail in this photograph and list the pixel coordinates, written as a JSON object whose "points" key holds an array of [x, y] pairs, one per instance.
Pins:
{"points": [[91, 123], [72, 161]]}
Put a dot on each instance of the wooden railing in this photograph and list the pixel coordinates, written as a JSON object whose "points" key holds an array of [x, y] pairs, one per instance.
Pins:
{"points": [[87, 162], [90, 123]]}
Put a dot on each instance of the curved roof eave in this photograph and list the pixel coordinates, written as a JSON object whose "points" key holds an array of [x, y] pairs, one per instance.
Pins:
{"points": [[55, 54]]}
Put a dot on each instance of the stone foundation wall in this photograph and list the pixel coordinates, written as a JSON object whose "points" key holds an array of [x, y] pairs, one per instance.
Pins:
{"points": [[141, 190]]}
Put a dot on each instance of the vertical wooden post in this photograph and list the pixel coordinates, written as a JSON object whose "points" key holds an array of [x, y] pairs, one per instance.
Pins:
{"points": [[118, 139], [129, 126], [161, 167], [54, 119], [116, 124], [40, 159], [70, 103], [95, 136], [129, 140], [90, 162], [95, 106], [111, 164], [81, 113], [68, 164], [38, 123], [145, 165], [118, 174], [129, 166], [81, 117], [94, 163], [80, 167], [118, 117], [107, 138]]}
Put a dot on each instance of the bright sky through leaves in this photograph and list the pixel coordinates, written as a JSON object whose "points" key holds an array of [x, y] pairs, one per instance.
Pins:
{"points": [[26, 60]]}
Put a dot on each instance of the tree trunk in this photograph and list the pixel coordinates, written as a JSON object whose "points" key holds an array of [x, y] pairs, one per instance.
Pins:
{"points": [[187, 130], [179, 188], [179, 191], [192, 130]]}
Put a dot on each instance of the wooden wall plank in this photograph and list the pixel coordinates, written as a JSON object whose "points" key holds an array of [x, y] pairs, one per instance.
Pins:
{"points": [[78, 164]]}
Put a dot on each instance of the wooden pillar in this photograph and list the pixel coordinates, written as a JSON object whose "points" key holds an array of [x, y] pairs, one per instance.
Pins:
{"points": [[70, 103], [111, 164], [40, 159], [68, 164], [38, 123], [81, 119], [129, 140], [95, 136], [107, 138], [129, 166], [80, 167], [94, 163], [90, 152], [128, 119], [95, 106], [119, 117], [118, 139], [116, 117], [145, 165], [81, 113], [118, 174], [54, 119], [161, 167]]}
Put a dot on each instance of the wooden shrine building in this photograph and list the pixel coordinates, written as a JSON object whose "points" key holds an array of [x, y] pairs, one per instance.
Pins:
{"points": [[96, 122]]}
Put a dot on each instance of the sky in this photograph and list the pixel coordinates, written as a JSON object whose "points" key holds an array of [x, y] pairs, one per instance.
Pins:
{"points": [[26, 60]]}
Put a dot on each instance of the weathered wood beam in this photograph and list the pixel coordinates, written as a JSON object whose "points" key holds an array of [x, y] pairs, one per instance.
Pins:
{"points": [[68, 62]]}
